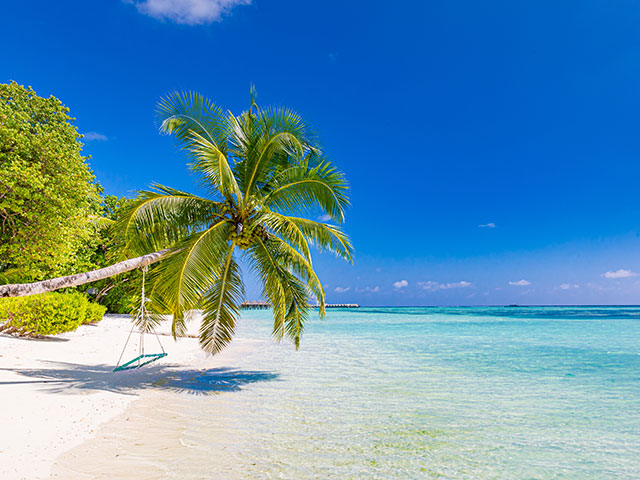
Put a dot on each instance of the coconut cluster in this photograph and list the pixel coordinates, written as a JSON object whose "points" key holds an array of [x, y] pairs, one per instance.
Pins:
{"points": [[244, 238]]}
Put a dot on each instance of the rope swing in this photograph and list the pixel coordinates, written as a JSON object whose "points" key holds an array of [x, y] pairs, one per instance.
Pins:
{"points": [[143, 316]]}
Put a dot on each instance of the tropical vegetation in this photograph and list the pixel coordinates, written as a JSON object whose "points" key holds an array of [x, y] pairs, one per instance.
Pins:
{"points": [[265, 179], [48, 196], [119, 293]]}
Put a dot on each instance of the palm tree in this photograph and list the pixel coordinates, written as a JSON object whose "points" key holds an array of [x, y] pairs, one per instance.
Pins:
{"points": [[264, 176]]}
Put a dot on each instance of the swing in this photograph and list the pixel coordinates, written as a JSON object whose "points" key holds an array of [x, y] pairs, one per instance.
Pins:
{"points": [[143, 358]]}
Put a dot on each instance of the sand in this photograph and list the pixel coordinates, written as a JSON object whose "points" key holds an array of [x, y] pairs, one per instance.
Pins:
{"points": [[56, 392]]}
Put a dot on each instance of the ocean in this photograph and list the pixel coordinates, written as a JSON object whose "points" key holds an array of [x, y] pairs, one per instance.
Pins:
{"points": [[410, 393]]}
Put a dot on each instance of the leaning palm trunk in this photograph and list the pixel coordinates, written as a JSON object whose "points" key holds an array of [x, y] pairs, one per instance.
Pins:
{"points": [[25, 289]]}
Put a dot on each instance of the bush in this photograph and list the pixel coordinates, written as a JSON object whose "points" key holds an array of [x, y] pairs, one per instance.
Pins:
{"points": [[95, 312], [47, 314]]}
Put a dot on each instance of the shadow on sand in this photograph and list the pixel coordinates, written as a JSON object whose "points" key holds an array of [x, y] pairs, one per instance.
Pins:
{"points": [[73, 378], [42, 338]]}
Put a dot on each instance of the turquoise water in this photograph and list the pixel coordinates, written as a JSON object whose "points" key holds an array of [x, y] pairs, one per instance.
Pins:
{"points": [[406, 393], [449, 393]]}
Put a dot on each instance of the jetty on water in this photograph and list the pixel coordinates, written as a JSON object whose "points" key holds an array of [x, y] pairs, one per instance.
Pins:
{"points": [[267, 305]]}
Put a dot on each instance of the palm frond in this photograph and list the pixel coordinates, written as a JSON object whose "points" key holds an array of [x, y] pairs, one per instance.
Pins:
{"points": [[261, 169], [184, 113], [213, 166], [301, 188], [302, 267], [203, 130], [180, 281], [274, 133], [273, 288], [146, 322], [11, 275], [253, 96], [162, 217], [101, 222], [286, 292], [221, 305], [162, 306], [286, 228], [324, 236]]}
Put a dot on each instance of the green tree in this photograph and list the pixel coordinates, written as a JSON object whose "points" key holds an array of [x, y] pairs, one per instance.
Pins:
{"points": [[120, 293], [265, 176], [47, 191]]}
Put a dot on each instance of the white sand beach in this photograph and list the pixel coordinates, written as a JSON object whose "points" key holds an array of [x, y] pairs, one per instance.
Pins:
{"points": [[55, 392]]}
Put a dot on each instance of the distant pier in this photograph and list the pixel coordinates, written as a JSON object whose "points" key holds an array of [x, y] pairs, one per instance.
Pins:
{"points": [[267, 305]]}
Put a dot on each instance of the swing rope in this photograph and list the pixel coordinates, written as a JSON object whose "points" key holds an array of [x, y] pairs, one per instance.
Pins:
{"points": [[143, 315]]}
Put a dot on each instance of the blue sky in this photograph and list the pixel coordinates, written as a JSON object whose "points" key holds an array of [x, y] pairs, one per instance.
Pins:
{"points": [[492, 147]]}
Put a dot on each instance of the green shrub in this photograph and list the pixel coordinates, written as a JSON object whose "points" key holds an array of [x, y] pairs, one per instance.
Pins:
{"points": [[95, 312], [47, 314]]}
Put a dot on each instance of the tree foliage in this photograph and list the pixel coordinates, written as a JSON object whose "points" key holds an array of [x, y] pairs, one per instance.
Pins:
{"points": [[265, 176], [121, 293], [47, 191]]}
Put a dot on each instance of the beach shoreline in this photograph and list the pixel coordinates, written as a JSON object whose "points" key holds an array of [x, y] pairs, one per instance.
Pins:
{"points": [[57, 391], [391, 393]]}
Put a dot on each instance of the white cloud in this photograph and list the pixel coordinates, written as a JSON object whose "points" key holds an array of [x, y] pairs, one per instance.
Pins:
{"points": [[568, 286], [189, 12], [324, 218], [488, 225], [375, 289], [95, 136], [401, 284], [428, 285], [622, 273], [342, 289], [520, 283], [431, 286], [461, 284]]}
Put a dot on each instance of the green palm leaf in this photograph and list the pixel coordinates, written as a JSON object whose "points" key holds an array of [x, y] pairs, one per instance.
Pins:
{"points": [[213, 166], [324, 236], [295, 262], [301, 188], [11, 275], [164, 216], [287, 293], [221, 306], [287, 229], [183, 114], [202, 128], [282, 133], [185, 277]]}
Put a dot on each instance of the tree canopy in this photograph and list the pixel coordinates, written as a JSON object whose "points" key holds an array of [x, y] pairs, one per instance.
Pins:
{"points": [[47, 190]]}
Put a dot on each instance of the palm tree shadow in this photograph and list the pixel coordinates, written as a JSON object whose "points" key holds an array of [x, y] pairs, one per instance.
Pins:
{"points": [[73, 378]]}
